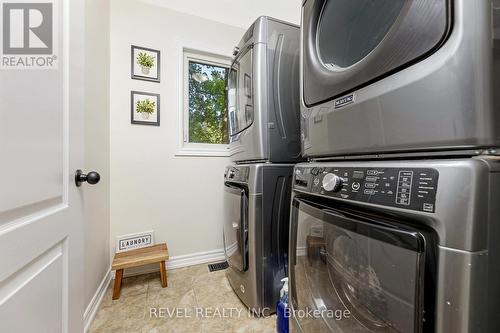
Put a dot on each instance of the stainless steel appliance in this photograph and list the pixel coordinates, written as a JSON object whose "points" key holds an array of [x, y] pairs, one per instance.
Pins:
{"points": [[257, 211], [395, 76], [396, 246], [263, 94], [264, 129]]}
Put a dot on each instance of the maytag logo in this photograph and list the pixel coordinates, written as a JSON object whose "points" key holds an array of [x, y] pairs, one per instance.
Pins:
{"points": [[344, 101], [29, 35]]}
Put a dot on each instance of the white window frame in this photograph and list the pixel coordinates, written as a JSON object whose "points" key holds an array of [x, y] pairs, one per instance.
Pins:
{"points": [[187, 148]]}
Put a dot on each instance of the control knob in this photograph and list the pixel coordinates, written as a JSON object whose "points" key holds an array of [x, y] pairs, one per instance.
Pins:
{"points": [[332, 182]]}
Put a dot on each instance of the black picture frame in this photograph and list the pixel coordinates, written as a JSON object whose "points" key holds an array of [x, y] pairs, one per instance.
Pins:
{"points": [[132, 109], [136, 76]]}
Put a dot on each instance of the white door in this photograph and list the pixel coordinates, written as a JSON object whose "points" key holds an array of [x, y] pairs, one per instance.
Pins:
{"points": [[41, 146]]}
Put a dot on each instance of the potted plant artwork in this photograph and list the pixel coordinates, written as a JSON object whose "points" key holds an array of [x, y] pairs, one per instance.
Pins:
{"points": [[145, 64], [145, 61], [145, 108]]}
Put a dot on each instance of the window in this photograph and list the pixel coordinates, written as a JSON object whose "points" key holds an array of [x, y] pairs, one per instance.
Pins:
{"points": [[205, 129]]}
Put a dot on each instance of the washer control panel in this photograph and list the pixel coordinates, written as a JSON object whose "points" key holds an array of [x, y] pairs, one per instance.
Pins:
{"points": [[408, 188]]}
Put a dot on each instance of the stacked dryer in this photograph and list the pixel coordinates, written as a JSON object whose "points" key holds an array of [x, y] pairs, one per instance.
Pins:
{"points": [[264, 128], [395, 223]]}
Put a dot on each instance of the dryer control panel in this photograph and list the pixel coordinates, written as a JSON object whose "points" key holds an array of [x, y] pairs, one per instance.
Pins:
{"points": [[237, 173], [408, 188]]}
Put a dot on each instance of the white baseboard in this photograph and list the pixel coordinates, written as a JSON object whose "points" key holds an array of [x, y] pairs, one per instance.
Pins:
{"points": [[195, 259], [91, 310], [178, 262]]}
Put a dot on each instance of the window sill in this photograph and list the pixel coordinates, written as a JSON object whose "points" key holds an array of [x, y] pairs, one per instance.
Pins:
{"points": [[203, 152]]}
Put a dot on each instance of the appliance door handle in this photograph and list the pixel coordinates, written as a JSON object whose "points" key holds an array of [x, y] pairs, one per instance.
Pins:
{"points": [[292, 253], [496, 27], [377, 228], [292, 246], [234, 189], [244, 229]]}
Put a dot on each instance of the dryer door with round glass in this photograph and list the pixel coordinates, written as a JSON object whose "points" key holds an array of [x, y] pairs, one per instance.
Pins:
{"points": [[348, 44]]}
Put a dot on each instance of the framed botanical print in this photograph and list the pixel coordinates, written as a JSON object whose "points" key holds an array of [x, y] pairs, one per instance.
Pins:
{"points": [[145, 64], [144, 108]]}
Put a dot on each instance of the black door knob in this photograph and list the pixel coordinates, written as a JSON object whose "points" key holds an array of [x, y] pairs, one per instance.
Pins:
{"points": [[91, 177]]}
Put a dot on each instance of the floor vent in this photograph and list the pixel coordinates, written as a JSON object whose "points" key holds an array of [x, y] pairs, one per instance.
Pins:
{"points": [[218, 266]]}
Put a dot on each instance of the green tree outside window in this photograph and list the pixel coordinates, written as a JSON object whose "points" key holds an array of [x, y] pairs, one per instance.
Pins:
{"points": [[207, 104]]}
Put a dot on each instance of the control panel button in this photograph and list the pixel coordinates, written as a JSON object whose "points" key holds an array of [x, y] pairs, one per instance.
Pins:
{"points": [[355, 186], [332, 182], [428, 207]]}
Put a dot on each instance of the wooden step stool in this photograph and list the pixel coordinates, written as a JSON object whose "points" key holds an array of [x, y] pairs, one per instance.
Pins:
{"points": [[143, 256]]}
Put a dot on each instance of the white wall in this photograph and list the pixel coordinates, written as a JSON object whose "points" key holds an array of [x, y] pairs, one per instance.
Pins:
{"points": [[239, 13], [180, 198], [96, 205]]}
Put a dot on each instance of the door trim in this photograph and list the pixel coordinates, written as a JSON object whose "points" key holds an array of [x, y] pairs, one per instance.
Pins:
{"points": [[95, 302]]}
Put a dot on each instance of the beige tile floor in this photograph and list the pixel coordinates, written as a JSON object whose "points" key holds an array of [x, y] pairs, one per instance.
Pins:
{"points": [[203, 300]]}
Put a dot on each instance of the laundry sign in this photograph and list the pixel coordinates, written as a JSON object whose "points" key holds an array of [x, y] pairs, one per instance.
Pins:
{"points": [[134, 241]]}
